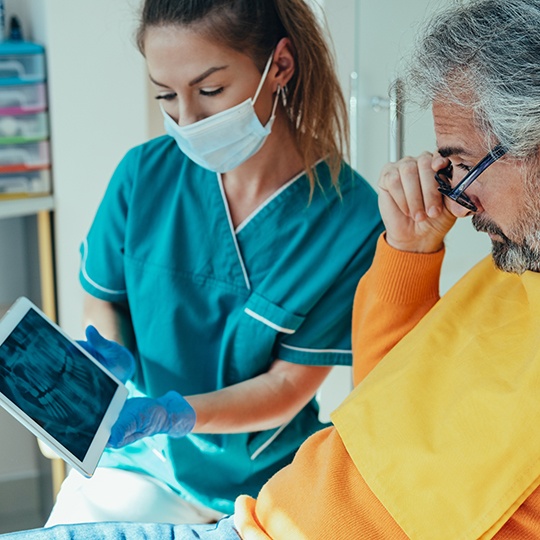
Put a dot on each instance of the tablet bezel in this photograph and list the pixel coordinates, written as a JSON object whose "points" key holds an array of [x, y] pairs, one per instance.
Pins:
{"points": [[87, 466]]}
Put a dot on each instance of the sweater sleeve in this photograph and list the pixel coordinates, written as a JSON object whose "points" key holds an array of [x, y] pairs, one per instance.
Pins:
{"points": [[391, 298]]}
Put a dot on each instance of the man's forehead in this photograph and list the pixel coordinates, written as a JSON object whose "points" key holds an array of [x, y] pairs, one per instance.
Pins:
{"points": [[455, 130]]}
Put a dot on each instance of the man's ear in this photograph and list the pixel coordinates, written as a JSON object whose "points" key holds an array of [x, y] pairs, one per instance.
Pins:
{"points": [[283, 65]]}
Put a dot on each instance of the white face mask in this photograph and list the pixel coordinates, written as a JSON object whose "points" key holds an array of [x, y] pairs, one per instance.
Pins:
{"points": [[223, 141]]}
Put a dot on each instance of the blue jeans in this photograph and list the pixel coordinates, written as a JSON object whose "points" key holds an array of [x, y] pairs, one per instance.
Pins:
{"points": [[222, 530]]}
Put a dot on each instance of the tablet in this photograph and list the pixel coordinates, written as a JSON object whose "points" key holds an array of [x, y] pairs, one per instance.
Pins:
{"points": [[55, 388]]}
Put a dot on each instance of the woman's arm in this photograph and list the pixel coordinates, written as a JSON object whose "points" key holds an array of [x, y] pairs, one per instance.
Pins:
{"points": [[110, 319], [264, 402]]}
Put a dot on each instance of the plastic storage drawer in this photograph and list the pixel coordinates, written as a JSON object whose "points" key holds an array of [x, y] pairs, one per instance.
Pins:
{"points": [[25, 183], [21, 62], [21, 128], [18, 99], [20, 157]]}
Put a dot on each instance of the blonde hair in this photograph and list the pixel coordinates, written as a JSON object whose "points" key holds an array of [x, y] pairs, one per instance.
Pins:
{"points": [[315, 104]]}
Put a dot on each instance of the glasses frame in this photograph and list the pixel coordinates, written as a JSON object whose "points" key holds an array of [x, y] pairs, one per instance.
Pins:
{"points": [[457, 194]]}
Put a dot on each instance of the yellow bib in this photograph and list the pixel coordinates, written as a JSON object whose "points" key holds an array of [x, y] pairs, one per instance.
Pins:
{"points": [[446, 429]]}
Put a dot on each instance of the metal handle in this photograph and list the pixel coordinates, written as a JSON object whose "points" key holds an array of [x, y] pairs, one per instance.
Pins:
{"points": [[353, 119], [396, 120], [395, 105]]}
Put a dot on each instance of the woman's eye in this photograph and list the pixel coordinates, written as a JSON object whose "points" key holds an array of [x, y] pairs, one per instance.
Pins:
{"points": [[464, 167], [166, 97], [210, 93]]}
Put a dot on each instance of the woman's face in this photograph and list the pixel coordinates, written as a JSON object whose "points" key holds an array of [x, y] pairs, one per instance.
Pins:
{"points": [[195, 77]]}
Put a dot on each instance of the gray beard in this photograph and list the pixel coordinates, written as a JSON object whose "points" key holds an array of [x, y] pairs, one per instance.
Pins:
{"points": [[508, 255]]}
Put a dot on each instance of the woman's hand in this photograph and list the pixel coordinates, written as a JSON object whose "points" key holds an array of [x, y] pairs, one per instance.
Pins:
{"points": [[412, 208], [143, 417], [111, 355]]}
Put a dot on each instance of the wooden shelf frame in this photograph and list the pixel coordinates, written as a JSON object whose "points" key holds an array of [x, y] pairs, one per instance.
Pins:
{"points": [[25, 206], [42, 207]]}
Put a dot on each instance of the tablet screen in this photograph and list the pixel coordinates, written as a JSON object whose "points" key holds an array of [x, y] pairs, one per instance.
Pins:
{"points": [[54, 383]]}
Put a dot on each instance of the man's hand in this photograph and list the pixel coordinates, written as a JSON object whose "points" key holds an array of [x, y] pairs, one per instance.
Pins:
{"points": [[412, 208]]}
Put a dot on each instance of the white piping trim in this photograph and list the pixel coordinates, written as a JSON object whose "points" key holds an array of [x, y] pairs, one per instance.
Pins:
{"points": [[268, 201], [260, 318], [317, 351], [272, 197], [233, 233], [89, 279], [266, 444]]}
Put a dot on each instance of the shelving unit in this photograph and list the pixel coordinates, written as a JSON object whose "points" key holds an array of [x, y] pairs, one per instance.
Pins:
{"points": [[89, 134], [25, 176], [27, 269], [42, 208], [27, 265]]}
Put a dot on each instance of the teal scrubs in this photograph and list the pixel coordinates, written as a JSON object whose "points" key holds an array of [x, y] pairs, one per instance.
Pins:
{"points": [[212, 306]]}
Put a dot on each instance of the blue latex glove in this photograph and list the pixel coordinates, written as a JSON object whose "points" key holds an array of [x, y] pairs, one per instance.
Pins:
{"points": [[117, 359], [143, 417]]}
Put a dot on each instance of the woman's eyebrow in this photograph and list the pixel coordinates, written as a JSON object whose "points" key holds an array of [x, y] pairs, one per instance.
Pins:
{"points": [[156, 83], [207, 73], [196, 80]]}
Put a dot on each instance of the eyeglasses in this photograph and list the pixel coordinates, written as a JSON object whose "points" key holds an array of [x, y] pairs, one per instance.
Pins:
{"points": [[444, 177]]}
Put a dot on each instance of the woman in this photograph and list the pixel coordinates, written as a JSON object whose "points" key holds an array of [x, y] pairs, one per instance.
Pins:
{"points": [[225, 255]]}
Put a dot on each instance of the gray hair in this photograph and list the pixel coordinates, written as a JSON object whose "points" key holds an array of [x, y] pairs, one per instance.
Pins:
{"points": [[485, 54]]}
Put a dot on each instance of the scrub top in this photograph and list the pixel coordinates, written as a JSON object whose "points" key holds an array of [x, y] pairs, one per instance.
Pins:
{"points": [[211, 305]]}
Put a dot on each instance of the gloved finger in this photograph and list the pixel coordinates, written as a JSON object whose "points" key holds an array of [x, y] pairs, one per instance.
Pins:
{"points": [[104, 361], [88, 348], [97, 340], [170, 414], [119, 438], [124, 430], [112, 355], [140, 417]]}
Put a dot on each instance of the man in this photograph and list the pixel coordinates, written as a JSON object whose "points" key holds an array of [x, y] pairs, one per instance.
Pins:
{"points": [[440, 438]]}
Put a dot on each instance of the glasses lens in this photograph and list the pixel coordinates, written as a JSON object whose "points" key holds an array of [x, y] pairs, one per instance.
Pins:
{"points": [[466, 202], [443, 178]]}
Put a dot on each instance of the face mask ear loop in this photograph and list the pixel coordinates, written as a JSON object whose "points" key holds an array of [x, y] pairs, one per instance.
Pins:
{"points": [[263, 78], [279, 91]]}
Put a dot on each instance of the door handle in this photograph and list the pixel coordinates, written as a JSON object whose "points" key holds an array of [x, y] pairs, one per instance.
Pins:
{"points": [[353, 119], [395, 106]]}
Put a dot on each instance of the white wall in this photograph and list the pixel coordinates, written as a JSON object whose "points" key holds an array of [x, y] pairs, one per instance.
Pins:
{"points": [[98, 110], [373, 39]]}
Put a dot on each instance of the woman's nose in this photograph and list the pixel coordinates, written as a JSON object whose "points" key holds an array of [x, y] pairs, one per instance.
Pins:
{"points": [[186, 114]]}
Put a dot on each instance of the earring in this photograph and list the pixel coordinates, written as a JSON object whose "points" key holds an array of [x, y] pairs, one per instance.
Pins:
{"points": [[284, 94]]}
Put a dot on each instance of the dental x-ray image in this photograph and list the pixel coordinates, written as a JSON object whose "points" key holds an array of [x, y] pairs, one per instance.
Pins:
{"points": [[54, 383]]}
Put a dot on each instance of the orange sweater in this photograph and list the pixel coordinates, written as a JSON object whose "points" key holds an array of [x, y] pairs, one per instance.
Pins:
{"points": [[321, 495]]}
